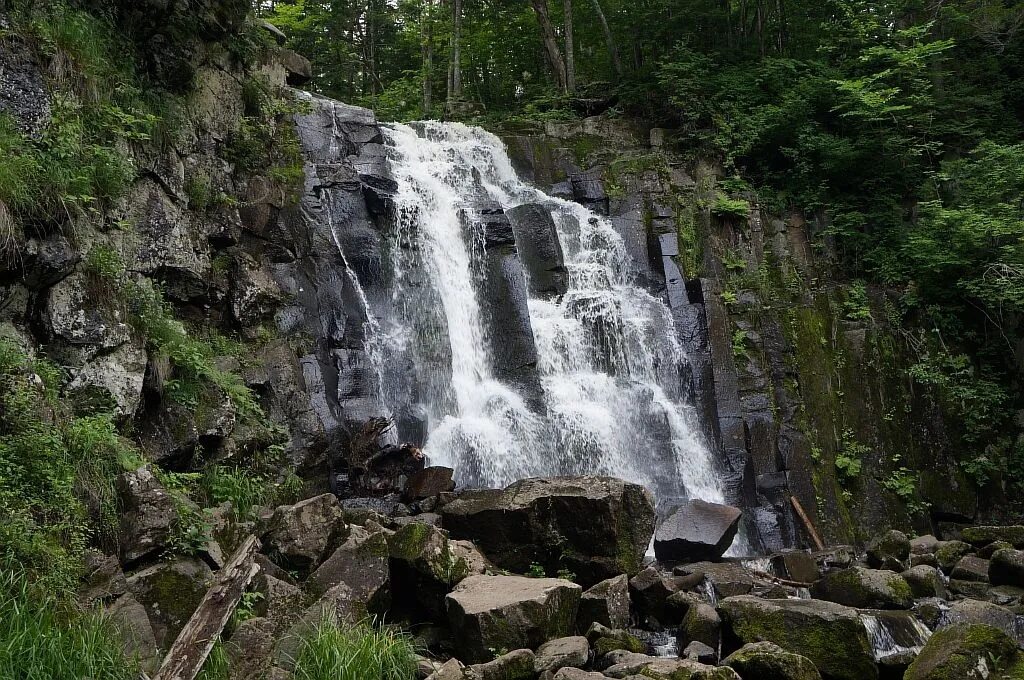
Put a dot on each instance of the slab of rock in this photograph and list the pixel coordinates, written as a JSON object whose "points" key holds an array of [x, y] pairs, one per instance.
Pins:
{"points": [[597, 527], [966, 652], [299, 535], [516, 665], [650, 590], [662, 668], [561, 653], [949, 553], [428, 482], [540, 248], [577, 674], [425, 566], [700, 652], [726, 578], [170, 592], [980, 536], [131, 623], [796, 565], [864, 588], [829, 634], [702, 624], [102, 580], [1006, 568], [989, 550], [606, 603], [978, 611], [696, 531], [768, 661], [971, 568], [449, 670], [922, 545], [510, 612], [924, 581], [889, 551], [605, 640], [147, 516], [361, 563]]}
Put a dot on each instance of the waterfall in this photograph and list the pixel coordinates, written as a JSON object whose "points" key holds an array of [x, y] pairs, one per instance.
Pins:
{"points": [[608, 366]]}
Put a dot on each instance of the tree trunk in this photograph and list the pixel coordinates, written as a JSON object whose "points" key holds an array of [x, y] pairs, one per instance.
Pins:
{"points": [[609, 39], [551, 51], [570, 51], [455, 91], [428, 58]]}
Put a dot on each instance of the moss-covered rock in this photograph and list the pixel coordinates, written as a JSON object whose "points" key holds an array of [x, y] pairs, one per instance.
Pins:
{"points": [[425, 566], [966, 652], [829, 634], [768, 661], [950, 552], [605, 640], [889, 550], [980, 536], [865, 588]]}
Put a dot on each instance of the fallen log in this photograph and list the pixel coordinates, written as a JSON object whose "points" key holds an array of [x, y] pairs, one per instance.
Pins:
{"points": [[187, 655], [807, 523]]}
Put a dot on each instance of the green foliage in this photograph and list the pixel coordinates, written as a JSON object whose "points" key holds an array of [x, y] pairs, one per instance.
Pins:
{"points": [[243, 488], [903, 482], [218, 664], [567, 575], [739, 344], [849, 458], [56, 472], [536, 571], [360, 652], [730, 208], [857, 306], [45, 638]]}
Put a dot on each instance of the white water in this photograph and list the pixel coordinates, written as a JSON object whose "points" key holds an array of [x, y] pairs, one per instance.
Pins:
{"points": [[894, 635], [608, 357]]}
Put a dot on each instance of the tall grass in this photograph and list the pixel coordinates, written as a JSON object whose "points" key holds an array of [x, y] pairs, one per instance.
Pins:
{"points": [[359, 652], [43, 638]]}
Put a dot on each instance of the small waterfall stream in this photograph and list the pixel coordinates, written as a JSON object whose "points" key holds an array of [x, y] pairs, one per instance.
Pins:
{"points": [[607, 362]]}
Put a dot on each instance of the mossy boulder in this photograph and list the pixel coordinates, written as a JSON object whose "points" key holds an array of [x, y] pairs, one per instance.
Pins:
{"points": [[361, 563], [829, 634], [1006, 568], [171, 593], [924, 581], [702, 624], [768, 661], [950, 552], [605, 640], [865, 588], [661, 668], [966, 652], [515, 665], [597, 527], [425, 566], [606, 603], [510, 612], [980, 536], [298, 536], [889, 550]]}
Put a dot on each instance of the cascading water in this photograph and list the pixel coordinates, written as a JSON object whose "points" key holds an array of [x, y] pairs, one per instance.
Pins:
{"points": [[607, 360]]}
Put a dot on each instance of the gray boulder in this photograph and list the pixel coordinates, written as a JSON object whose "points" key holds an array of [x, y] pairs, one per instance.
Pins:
{"points": [[966, 652], [796, 565], [606, 603], [299, 535], [865, 588], [1006, 568], [700, 652], [948, 553], [171, 593], [148, 513], [696, 531], [924, 581], [515, 665], [981, 536], [768, 661], [829, 634], [510, 612], [426, 565], [702, 624], [428, 482], [361, 563], [597, 527], [978, 611], [889, 551], [129, 620], [971, 568], [662, 668], [923, 545], [561, 653]]}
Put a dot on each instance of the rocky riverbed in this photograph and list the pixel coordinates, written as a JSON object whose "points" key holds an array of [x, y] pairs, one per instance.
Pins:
{"points": [[551, 578]]}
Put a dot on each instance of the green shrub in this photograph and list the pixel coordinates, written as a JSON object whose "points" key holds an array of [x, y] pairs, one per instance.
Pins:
{"points": [[44, 638], [244, 489], [730, 208], [359, 652]]}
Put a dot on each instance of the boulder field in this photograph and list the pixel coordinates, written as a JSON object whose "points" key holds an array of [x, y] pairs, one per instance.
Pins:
{"points": [[551, 579]]}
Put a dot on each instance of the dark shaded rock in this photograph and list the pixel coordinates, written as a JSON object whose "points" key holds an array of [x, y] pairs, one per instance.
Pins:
{"points": [[250, 648], [990, 549], [979, 536], [539, 248], [963, 652], [588, 189], [768, 661], [148, 514], [696, 531], [922, 545], [23, 92], [830, 635], [864, 588], [605, 640], [650, 590], [299, 70], [700, 652], [889, 551], [510, 612], [837, 557], [598, 527], [361, 563], [702, 624], [726, 578], [428, 482], [795, 565], [924, 581], [977, 590], [103, 579], [949, 553], [561, 653], [515, 665], [971, 568], [1006, 568], [977, 611], [131, 623], [170, 592], [426, 566], [299, 535], [606, 603]]}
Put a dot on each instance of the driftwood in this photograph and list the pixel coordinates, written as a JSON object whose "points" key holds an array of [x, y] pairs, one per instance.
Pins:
{"points": [[807, 523], [776, 579], [188, 653]]}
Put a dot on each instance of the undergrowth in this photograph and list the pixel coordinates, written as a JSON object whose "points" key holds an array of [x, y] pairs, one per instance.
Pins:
{"points": [[360, 652]]}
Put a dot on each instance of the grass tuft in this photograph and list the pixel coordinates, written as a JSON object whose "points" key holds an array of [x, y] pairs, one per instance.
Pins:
{"points": [[359, 652]]}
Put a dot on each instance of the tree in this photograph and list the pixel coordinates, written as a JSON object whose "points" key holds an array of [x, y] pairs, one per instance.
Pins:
{"points": [[551, 51]]}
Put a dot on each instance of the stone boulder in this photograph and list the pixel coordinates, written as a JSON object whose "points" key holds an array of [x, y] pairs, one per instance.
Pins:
{"points": [[426, 565], [890, 551], [864, 588], [361, 563], [971, 568], [981, 536], [606, 603], [171, 593], [650, 590], [977, 611], [1006, 568], [796, 565], [702, 624], [577, 674], [924, 581], [148, 512], [829, 634], [725, 578], [515, 665], [129, 620], [605, 640], [298, 536], [510, 612], [696, 531], [768, 661], [923, 545], [539, 247], [572, 652], [597, 527], [948, 553], [428, 482], [966, 652], [631, 665], [699, 652]]}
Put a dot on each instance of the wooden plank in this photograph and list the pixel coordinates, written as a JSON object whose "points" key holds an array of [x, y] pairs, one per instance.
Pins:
{"points": [[807, 522], [188, 653]]}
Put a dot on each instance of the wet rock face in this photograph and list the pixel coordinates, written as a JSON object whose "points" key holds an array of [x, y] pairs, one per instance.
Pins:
{"points": [[768, 661], [510, 612], [539, 248], [597, 527], [696, 531]]}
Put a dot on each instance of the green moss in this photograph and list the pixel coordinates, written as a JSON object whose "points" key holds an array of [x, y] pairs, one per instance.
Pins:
{"points": [[955, 652], [408, 542], [626, 641], [900, 588]]}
